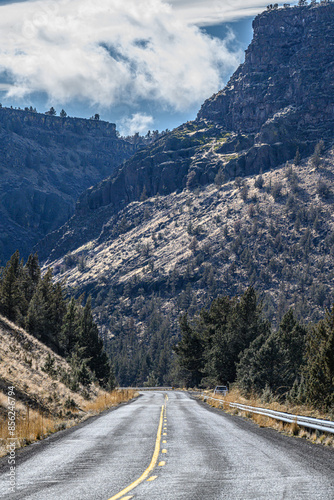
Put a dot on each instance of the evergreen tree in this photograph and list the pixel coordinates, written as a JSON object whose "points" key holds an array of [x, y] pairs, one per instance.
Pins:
{"points": [[40, 305], [32, 276], [12, 300], [46, 311], [297, 158], [212, 346], [319, 368], [249, 376], [242, 323], [190, 351], [69, 334], [93, 346], [274, 360], [57, 306], [36, 321], [215, 327], [291, 337]]}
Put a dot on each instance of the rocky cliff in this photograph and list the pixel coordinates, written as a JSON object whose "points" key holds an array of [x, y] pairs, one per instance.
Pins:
{"points": [[288, 71], [283, 94], [46, 162], [280, 99], [192, 216], [166, 255]]}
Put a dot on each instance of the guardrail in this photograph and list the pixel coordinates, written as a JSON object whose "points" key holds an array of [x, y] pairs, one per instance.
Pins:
{"points": [[147, 388], [308, 422]]}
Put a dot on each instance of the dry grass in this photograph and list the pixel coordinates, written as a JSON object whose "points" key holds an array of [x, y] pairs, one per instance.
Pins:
{"points": [[22, 360], [43, 404], [105, 400], [32, 425], [293, 429]]}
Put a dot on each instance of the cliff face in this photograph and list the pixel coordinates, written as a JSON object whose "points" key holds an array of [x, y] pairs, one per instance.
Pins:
{"points": [[32, 121], [280, 99], [172, 228], [286, 79], [168, 255], [46, 162]]}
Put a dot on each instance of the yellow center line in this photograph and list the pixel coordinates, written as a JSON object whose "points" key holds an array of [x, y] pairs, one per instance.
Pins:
{"points": [[152, 478], [161, 464], [149, 468]]}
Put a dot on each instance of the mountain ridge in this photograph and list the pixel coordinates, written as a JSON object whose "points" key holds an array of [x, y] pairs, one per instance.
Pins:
{"points": [[45, 163], [207, 210], [252, 125]]}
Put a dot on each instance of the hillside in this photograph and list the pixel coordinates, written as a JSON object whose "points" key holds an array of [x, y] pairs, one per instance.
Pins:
{"points": [[218, 204], [46, 162], [166, 255], [280, 99], [24, 364], [38, 382]]}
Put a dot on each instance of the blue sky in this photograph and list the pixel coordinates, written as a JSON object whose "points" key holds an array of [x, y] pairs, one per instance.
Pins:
{"points": [[143, 64]]}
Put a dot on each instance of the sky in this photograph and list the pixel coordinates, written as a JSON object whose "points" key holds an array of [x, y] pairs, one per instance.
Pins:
{"points": [[142, 64]]}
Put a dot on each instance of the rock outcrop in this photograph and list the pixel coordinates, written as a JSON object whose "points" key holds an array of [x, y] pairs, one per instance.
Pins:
{"points": [[147, 259], [283, 94], [46, 162], [280, 99]]}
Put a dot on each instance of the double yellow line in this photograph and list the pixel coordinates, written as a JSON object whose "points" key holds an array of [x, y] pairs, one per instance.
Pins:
{"points": [[150, 467]]}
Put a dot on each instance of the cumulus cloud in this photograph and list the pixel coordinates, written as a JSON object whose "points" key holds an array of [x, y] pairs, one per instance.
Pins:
{"points": [[138, 122], [109, 52]]}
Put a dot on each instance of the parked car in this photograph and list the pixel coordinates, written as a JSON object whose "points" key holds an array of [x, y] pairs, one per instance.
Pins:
{"points": [[221, 389]]}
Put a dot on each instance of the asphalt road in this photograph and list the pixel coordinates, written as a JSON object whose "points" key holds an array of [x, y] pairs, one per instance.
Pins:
{"points": [[207, 455]]}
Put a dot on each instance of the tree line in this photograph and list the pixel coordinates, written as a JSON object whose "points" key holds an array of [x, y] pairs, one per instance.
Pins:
{"points": [[33, 301], [232, 342]]}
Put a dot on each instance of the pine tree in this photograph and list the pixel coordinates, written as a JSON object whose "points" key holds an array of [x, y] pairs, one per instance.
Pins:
{"points": [[249, 378], [245, 325], [69, 334], [57, 306], [12, 300], [39, 304], [36, 320], [89, 338], [319, 368], [291, 337], [190, 351], [32, 276], [46, 311], [274, 360], [296, 159], [214, 324]]}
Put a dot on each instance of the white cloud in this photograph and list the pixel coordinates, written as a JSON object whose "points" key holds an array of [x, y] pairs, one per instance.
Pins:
{"points": [[210, 12], [137, 123], [110, 51]]}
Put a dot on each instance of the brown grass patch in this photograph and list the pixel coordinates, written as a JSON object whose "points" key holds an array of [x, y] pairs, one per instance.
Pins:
{"points": [[105, 400], [43, 403], [32, 425], [235, 396]]}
